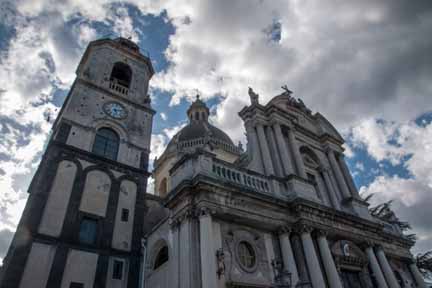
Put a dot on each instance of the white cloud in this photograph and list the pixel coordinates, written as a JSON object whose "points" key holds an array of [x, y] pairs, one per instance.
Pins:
{"points": [[163, 116], [413, 196], [369, 60], [359, 166], [123, 24], [220, 48]]}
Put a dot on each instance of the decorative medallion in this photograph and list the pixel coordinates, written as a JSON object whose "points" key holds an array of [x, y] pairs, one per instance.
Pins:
{"points": [[115, 110]]}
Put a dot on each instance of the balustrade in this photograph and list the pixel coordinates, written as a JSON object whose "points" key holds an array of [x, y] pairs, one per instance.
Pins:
{"points": [[241, 178], [114, 85]]}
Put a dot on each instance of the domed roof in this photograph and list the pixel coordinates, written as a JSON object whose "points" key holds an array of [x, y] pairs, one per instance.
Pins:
{"points": [[199, 132], [195, 130]]}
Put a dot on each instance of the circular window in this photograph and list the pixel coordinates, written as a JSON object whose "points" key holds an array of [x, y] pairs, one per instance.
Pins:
{"points": [[246, 255]]}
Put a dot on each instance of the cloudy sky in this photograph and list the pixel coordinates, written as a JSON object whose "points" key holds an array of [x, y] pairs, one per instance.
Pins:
{"points": [[365, 65]]}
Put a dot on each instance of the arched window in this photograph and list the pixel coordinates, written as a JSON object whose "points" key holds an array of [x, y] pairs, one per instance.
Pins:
{"points": [[122, 74], [161, 258], [106, 143]]}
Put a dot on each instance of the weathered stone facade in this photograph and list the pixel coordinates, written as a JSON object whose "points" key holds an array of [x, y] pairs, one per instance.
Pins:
{"points": [[76, 186], [290, 197], [221, 217]]}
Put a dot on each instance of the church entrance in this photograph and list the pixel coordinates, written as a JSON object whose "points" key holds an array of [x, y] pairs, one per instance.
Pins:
{"points": [[351, 279]]}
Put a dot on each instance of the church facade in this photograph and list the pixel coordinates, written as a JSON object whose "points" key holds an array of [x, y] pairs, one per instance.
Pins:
{"points": [[283, 213]]}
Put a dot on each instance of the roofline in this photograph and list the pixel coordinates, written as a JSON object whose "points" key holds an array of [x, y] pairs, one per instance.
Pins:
{"points": [[136, 55]]}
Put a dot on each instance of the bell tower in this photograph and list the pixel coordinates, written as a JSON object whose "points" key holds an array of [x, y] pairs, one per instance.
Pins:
{"points": [[83, 221]]}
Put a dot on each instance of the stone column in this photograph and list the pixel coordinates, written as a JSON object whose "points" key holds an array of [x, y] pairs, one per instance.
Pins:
{"points": [[330, 189], [311, 258], [328, 262], [388, 272], [296, 153], [339, 177], [283, 150], [417, 275], [376, 270], [300, 259], [208, 252], [288, 256], [268, 165], [348, 177], [185, 250]]}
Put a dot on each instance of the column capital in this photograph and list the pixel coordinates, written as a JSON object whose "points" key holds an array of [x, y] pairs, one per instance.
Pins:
{"points": [[322, 233], [302, 228], [331, 148], [328, 149], [178, 219], [275, 121], [174, 223], [377, 246], [260, 122], [285, 230], [290, 126], [323, 168], [367, 244], [205, 212]]}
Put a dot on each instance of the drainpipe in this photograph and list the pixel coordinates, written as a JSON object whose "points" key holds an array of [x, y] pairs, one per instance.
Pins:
{"points": [[144, 261]]}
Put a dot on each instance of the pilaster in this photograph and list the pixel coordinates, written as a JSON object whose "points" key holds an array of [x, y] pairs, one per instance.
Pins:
{"points": [[330, 188], [348, 177], [296, 153], [283, 150], [207, 249], [339, 177], [268, 165]]}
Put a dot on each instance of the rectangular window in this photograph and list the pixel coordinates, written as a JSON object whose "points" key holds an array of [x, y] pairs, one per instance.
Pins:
{"points": [[88, 231], [76, 285], [117, 270], [125, 215]]}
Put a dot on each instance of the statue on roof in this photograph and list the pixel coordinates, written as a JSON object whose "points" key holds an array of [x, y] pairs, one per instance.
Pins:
{"points": [[297, 103], [287, 91], [253, 96]]}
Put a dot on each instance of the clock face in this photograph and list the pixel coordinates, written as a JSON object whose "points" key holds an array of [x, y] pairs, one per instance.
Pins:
{"points": [[115, 110]]}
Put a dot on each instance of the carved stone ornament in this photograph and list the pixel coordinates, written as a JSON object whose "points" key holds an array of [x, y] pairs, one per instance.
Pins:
{"points": [[285, 230], [303, 228]]}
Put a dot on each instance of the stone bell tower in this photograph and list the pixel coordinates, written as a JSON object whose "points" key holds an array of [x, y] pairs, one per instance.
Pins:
{"points": [[82, 224]]}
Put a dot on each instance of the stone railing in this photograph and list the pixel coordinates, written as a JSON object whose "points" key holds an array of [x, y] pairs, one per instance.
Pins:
{"points": [[114, 85], [202, 164], [242, 178], [202, 141]]}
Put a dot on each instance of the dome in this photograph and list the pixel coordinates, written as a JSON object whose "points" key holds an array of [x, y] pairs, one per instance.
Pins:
{"points": [[199, 132]]}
